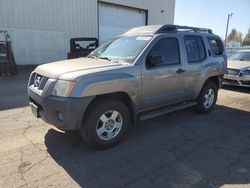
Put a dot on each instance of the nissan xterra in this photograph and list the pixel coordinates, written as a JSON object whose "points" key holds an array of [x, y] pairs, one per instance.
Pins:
{"points": [[146, 72]]}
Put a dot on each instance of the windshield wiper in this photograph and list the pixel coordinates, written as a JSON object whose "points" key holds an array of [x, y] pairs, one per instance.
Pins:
{"points": [[109, 59], [106, 58], [92, 56], [96, 57]]}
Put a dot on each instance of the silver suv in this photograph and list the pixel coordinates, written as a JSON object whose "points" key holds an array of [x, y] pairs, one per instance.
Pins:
{"points": [[144, 73]]}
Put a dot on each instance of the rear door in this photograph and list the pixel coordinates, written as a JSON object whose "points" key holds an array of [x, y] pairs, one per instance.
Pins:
{"points": [[163, 84], [196, 59]]}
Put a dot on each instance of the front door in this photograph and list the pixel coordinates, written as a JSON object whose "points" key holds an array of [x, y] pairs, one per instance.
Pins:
{"points": [[163, 83]]}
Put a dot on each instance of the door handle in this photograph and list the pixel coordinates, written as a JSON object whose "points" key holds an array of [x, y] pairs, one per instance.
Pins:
{"points": [[180, 71]]}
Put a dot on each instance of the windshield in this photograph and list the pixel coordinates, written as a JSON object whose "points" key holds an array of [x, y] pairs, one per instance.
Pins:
{"points": [[241, 56], [125, 48]]}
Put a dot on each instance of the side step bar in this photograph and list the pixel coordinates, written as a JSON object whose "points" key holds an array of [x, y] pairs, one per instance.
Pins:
{"points": [[166, 110]]}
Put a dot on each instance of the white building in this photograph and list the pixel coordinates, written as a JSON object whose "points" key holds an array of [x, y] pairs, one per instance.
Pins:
{"points": [[41, 29], [233, 44]]}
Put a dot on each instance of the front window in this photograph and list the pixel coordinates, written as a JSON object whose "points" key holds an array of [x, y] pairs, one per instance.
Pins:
{"points": [[125, 48], [240, 56], [168, 48]]}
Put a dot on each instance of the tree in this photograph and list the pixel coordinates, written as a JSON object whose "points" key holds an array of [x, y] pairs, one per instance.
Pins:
{"points": [[238, 37], [232, 35], [235, 36], [246, 41]]}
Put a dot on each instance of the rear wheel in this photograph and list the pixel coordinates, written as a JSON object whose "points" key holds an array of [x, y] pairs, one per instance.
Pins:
{"points": [[105, 123], [207, 98]]}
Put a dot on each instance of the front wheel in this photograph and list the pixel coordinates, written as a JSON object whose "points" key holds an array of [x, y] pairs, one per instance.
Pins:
{"points": [[207, 98], [105, 123]]}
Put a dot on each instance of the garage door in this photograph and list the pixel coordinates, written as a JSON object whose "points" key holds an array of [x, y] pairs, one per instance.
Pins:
{"points": [[115, 20]]}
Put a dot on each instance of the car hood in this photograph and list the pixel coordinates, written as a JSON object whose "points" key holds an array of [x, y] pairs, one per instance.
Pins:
{"points": [[238, 64], [86, 65]]}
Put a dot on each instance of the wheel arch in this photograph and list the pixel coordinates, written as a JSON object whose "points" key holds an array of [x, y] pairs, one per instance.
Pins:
{"points": [[215, 79], [121, 96]]}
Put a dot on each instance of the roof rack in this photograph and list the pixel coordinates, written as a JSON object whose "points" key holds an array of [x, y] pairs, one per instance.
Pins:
{"points": [[176, 28], [154, 29]]}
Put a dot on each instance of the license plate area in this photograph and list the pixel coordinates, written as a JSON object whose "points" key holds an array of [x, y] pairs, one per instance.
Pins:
{"points": [[34, 110]]}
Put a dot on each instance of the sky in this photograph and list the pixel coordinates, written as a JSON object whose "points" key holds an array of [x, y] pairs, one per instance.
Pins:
{"points": [[213, 14]]}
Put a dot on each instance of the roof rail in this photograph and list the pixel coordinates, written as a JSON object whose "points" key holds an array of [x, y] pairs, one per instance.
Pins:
{"points": [[176, 28]]}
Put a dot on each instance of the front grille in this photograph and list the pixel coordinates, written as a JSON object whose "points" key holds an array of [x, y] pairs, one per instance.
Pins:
{"points": [[38, 81], [233, 71], [245, 83], [246, 72], [228, 81]]}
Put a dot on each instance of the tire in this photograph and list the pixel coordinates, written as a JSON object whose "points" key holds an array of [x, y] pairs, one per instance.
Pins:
{"points": [[105, 123], [207, 98]]}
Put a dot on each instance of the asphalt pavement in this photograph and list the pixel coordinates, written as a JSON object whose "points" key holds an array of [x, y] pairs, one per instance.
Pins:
{"points": [[181, 149]]}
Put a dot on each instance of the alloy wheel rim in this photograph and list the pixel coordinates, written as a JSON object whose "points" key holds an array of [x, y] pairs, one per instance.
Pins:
{"points": [[109, 125], [209, 98]]}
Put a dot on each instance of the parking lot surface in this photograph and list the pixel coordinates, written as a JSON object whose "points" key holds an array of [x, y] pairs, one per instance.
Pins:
{"points": [[181, 149]]}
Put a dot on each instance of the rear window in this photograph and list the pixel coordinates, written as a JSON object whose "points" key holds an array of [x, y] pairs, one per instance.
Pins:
{"points": [[195, 48], [216, 46]]}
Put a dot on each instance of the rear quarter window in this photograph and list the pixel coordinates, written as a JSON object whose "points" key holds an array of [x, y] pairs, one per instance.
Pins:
{"points": [[216, 46]]}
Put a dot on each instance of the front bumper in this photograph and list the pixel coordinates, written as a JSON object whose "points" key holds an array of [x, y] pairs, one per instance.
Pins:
{"points": [[236, 80], [63, 113]]}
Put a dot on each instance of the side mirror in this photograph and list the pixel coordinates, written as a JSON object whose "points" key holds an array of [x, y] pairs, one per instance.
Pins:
{"points": [[154, 60]]}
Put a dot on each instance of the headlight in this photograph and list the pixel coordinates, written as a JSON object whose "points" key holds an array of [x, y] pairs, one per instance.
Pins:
{"points": [[63, 88]]}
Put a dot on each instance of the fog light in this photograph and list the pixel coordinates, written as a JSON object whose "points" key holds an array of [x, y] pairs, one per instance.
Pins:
{"points": [[60, 116]]}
